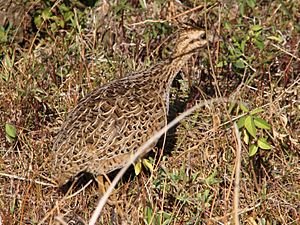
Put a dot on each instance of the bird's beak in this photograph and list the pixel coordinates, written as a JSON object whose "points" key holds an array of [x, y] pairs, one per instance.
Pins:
{"points": [[212, 38]]}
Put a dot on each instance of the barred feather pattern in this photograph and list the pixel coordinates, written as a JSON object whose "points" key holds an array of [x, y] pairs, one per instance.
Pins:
{"points": [[113, 121]]}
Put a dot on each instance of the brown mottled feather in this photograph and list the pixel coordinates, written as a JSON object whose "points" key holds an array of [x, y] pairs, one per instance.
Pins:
{"points": [[110, 123]]}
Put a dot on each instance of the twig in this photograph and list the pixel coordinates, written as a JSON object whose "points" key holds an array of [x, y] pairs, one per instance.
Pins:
{"points": [[241, 211], [60, 219], [285, 51], [80, 190], [174, 17], [26, 179], [61, 201]]}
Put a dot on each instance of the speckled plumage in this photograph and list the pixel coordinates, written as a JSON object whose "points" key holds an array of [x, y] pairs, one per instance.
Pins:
{"points": [[111, 122]]}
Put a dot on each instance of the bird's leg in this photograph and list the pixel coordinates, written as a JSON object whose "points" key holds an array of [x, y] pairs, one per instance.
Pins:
{"points": [[103, 184]]}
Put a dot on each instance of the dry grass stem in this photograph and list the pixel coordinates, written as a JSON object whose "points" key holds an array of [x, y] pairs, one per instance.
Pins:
{"points": [[237, 177]]}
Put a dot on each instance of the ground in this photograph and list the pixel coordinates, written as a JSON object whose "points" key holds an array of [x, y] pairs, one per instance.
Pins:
{"points": [[54, 53]]}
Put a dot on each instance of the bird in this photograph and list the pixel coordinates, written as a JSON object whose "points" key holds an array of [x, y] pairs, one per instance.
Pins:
{"points": [[110, 123]]}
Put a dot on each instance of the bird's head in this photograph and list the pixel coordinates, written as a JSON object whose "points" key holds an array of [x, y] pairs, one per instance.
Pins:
{"points": [[190, 40]]}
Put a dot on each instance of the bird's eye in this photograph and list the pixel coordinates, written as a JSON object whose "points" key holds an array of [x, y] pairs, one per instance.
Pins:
{"points": [[203, 36]]}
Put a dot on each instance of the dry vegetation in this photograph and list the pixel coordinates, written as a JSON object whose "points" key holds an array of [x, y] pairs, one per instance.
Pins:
{"points": [[53, 53]]}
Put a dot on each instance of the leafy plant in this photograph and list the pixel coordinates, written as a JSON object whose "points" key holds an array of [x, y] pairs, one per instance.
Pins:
{"points": [[238, 50], [53, 19], [4, 33], [153, 217], [246, 5], [8, 64], [253, 130]]}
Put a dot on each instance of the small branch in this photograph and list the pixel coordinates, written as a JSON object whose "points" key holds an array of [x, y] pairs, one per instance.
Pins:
{"points": [[174, 17], [26, 179], [285, 51]]}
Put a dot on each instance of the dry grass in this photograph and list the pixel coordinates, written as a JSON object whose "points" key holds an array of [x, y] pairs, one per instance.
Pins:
{"points": [[46, 74]]}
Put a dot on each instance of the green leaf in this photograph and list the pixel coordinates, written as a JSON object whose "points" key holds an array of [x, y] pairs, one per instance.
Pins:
{"points": [[64, 8], [242, 8], [221, 64], [244, 107], [38, 21], [227, 26], [246, 137], [5, 77], [167, 218], [239, 64], [238, 50], [243, 44], [241, 122], [250, 126], [149, 214], [260, 123], [231, 50], [53, 27], [257, 110], [46, 13], [260, 44], [143, 4], [69, 16], [211, 179], [3, 35], [274, 38], [256, 28], [138, 167], [60, 23], [252, 150], [148, 164], [10, 130], [8, 61], [251, 3], [263, 144]]}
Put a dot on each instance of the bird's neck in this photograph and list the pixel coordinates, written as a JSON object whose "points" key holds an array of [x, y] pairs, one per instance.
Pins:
{"points": [[171, 69], [161, 76]]}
